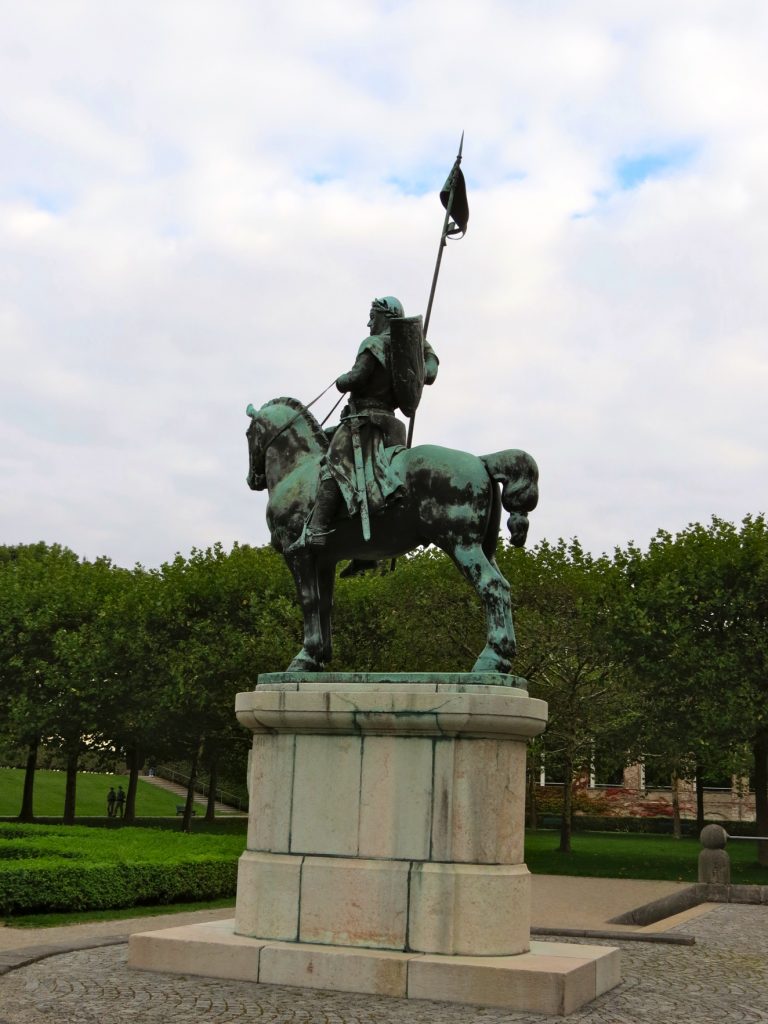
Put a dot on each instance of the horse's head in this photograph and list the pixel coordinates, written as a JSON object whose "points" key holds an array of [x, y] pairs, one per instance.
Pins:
{"points": [[286, 430], [257, 452]]}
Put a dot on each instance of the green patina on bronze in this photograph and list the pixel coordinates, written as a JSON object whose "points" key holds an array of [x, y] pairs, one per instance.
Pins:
{"points": [[417, 680]]}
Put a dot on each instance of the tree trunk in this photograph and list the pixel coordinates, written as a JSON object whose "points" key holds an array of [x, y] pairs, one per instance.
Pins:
{"points": [[760, 750], [70, 788], [189, 806], [567, 822], [133, 760], [699, 799], [210, 810], [26, 812], [677, 830]]}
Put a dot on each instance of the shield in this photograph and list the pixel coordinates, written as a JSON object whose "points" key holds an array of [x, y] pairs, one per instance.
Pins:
{"points": [[407, 352]]}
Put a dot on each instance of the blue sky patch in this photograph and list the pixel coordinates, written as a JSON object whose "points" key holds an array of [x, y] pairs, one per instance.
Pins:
{"points": [[322, 177], [50, 200], [417, 186], [632, 171]]}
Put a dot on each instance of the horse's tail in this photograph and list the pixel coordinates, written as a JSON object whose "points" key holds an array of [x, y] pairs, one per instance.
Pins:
{"points": [[518, 474]]}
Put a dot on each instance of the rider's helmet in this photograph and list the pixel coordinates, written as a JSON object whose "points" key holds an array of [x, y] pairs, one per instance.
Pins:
{"points": [[389, 306]]}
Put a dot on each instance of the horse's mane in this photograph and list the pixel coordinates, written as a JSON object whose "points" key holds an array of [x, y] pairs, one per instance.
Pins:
{"points": [[293, 403]]}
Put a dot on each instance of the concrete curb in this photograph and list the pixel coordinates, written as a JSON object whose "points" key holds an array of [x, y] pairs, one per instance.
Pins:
{"points": [[11, 960], [598, 933], [701, 892]]}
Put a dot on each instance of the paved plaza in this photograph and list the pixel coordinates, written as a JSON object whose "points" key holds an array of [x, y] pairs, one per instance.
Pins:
{"points": [[722, 978]]}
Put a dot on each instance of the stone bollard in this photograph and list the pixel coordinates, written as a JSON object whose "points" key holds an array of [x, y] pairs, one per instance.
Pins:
{"points": [[714, 862]]}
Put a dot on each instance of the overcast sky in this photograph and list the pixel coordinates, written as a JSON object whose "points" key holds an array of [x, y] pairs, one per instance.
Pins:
{"points": [[198, 201]]}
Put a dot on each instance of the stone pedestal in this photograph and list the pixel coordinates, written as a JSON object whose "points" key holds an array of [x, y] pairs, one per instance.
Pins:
{"points": [[385, 847]]}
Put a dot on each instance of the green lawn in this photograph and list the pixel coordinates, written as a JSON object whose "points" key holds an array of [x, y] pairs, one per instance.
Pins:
{"points": [[55, 920], [92, 790], [618, 855]]}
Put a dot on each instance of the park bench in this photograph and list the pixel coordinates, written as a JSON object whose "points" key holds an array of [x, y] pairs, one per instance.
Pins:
{"points": [[550, 820], [180, 809]]}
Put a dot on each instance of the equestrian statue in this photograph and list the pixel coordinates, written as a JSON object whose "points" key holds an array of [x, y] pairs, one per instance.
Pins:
{"points": [[360, 491], [356, 492]]}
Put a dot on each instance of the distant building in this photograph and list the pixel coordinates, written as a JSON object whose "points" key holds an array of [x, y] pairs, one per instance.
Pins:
{"points": [[627, 792]]}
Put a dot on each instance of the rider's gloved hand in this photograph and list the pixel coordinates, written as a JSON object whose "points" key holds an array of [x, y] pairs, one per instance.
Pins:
{"points": [[342, 383]]}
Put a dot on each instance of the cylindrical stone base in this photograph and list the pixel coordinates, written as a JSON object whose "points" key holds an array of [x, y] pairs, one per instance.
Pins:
{"points": [[388, 817], [460, 909]]}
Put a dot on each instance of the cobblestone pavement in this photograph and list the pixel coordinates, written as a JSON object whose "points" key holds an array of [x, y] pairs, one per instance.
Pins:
{"points": [[723, 979]]}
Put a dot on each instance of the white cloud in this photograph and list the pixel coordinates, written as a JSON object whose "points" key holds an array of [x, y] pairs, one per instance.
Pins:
{"points": [[197, 203]]}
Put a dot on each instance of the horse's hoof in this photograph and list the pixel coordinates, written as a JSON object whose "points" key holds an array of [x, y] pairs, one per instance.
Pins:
{"points": [[490, 662], [304, 662]]}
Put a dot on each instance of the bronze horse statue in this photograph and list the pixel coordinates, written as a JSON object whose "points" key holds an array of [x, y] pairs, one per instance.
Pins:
{"points": [[450, 498]]}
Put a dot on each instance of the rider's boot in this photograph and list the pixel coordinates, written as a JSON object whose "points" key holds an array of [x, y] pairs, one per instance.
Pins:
{"points": [[318, 529]]}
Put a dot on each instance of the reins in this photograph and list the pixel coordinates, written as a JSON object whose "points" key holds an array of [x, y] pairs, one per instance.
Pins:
{"points": [[334, 407], [299, 414]]}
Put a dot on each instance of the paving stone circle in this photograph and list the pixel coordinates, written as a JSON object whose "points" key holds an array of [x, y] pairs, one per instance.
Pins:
{"points": [[722, 979]]}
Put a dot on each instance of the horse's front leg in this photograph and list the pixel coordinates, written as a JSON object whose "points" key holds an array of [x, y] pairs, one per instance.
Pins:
{"points": [[326, 578], [493, 591], [304, 569]]}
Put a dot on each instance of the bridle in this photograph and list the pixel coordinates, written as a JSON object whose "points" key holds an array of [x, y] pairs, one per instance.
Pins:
{"points": [[266, 444]]}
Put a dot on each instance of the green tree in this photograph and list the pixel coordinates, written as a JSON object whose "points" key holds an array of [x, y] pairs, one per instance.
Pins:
{"points": [[423, 617], [226, 621], [694, 626], [76, 693], [129, 663], [42, 599], [563, 600]]}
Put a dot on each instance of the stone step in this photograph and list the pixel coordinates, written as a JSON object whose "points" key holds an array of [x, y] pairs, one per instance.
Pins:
{"points": [[181, 791]]}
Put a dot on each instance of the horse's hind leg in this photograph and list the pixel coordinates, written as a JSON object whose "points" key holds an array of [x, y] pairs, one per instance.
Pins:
{"points": [[310, 657], [493, 591], [508, 624]]}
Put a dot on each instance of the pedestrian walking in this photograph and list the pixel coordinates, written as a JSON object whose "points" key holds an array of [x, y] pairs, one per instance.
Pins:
{"points": [[111, 797], [120, 799]]}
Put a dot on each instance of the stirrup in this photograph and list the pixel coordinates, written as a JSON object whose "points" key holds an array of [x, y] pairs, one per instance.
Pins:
{"points": [[316, 538], [309, 538]]}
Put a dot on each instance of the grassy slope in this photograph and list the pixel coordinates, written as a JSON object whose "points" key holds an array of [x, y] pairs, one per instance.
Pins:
{"points": [[91, 794], [617, 855], [108, 846]]}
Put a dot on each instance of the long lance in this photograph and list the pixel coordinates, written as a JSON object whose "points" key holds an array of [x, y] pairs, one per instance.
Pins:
{"points": [[443, 242]]}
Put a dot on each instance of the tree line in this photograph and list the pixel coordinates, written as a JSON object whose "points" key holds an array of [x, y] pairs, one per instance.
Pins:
{"points": [[655, 654]]}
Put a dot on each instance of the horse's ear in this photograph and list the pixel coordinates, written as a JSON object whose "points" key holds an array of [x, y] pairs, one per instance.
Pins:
{"points": [[250, 411]]}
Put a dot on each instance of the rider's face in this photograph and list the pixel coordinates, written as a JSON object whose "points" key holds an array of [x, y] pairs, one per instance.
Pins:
{"points": [[374, 321]]}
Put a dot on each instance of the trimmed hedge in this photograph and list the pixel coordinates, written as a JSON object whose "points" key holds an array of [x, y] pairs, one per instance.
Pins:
{"points": [[62, 887], [73, 869]]}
